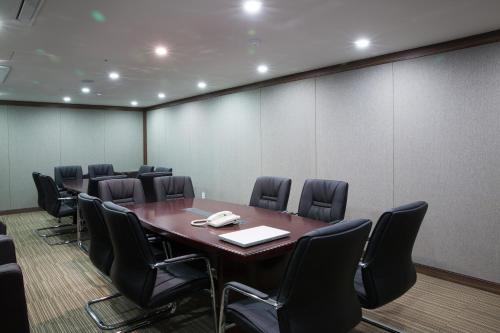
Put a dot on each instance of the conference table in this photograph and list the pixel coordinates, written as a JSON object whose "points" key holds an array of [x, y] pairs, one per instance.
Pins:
{"points": [[261, 265]]}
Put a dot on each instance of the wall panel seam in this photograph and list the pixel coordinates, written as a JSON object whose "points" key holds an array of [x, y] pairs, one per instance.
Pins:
{"points": [[393, 138], [315, 129], [260, 132], [7, 117]]}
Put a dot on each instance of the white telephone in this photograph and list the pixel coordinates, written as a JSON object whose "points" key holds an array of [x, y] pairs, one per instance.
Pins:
{"points": [[217, 220]]}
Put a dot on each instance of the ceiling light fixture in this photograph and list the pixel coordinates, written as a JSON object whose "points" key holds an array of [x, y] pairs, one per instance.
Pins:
{"points": [[161, 51], [114, 75], [67, 99], [161, 95], [252, 6], [134, 103], [85, 90], [362, 43], [202, 85], [262, 69]]}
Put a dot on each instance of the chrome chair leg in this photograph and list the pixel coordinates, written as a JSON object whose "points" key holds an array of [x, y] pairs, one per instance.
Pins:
{"points": [[139, 321], [380, 325]]}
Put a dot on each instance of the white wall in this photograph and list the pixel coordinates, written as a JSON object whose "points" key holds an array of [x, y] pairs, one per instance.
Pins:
{"points": [[425, 129], [38, 139]]}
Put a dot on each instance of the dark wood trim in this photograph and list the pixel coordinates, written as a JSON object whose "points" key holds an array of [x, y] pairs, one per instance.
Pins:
{"points": [[145, 137], [70, 106], [18, 211], [457, 44], [465, 280]]}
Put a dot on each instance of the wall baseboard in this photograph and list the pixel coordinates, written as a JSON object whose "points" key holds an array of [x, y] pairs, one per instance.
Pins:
{"points": [[465, 280], [18, 211]]}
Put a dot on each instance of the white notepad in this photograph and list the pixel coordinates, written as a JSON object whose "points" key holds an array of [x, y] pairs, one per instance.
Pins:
{"points": [[254, 236]]}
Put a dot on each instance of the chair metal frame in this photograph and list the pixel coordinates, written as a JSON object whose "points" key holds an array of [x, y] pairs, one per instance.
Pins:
{"points": [[58, 227], [251, 293], [156, 314]]}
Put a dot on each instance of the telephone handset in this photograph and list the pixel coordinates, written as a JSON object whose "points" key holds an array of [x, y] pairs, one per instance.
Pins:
{"points": [[217, 220]]}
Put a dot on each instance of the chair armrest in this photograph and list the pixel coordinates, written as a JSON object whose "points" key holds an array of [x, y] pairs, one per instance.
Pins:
{"points": [[185, 258], [7, 250], [249, 292], [66, 198], [335, 221]]}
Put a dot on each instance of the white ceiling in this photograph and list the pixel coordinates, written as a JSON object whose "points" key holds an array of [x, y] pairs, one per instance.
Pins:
{"points": [[211, 40]]}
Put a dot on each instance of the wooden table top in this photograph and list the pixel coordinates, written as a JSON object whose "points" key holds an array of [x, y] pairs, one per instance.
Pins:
{"points": [[171, 219], [77, 186]]}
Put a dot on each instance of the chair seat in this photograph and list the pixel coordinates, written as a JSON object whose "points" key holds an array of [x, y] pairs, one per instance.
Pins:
{"points": [[66, 210], [174, 280], [253, 316]]}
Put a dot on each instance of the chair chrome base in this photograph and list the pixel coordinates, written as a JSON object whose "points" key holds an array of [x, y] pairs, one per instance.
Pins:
{"points": [[380, 325], [45, 236], [134, 323]]}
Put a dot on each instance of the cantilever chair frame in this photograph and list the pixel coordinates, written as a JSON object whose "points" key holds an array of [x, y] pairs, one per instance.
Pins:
{"points": [[156, 314], [245, 291], [72, 229]]}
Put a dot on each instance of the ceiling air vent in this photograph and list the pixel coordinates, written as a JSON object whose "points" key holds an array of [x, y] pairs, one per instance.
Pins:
{"points": [[28, 10], [4, 71]]}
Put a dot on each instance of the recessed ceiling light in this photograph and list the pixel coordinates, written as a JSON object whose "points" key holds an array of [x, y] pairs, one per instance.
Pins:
{"points": [[134, 103], [161, 95], [262, 69], [85, 90], [99, 93], [252, 6], [202, 85], [114, 75], [67, 99], [362, 43], [161, 51]]}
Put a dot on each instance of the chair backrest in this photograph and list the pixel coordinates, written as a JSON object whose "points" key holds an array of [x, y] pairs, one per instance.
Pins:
{"points": [[148, 184], [3, 228], [271, 193], [173, 187], [52, 204], [132, 271], [100, 249], [13, 309], [100, 170], [163, 169], [41, 199], [145, 168], [323, 199], [122, 191], [317, 293], [65, 173], [93, 188], [388, 270]]}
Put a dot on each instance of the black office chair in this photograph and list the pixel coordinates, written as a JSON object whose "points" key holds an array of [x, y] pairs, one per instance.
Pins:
{"points": [[387, 271], [100, 248], [122, 191], [3, 228], [323, 199], [93, 187], [36, 180], [173, 187], [271, 193], [101, 170], [13, 309], [163, 169], [142, 280], [147, 180], [59, 207], [145, 169], [317, 291], [66, 173]]}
